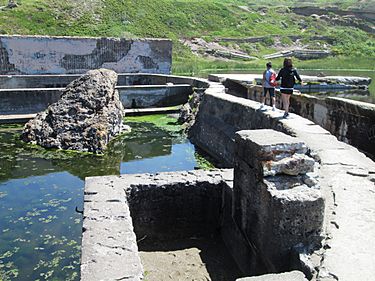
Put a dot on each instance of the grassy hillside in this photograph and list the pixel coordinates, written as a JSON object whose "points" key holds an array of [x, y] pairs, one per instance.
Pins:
{"points": [[207, 19]]}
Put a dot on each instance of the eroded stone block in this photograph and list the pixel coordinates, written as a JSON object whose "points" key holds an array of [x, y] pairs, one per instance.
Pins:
{"points": [[278, 203]]}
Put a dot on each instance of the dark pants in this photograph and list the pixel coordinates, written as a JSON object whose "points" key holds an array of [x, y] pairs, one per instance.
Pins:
{"points": [[270, 90], [286, 91]]}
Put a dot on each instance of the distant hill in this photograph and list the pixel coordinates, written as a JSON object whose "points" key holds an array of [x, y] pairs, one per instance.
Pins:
{"points": [[344, 28]]}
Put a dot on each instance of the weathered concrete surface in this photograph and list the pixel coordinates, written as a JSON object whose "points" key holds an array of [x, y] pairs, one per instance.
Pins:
{"points": [[274, 213], [135, 90], [124, 79], [144, 96], [325, 83], [109, 245], [57, 55], [88, 115], [350, 121], [286, 276], [220, 115], [190, 201], [276, 152], [16, 119], [27, 101]]}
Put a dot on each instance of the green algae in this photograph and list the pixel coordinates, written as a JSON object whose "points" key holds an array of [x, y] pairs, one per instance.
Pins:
{"points": [[167, 122], [203, 163], [40, 189]]}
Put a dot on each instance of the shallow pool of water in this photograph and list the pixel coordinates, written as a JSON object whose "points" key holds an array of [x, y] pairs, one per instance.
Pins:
{"points": [[40, 231]]}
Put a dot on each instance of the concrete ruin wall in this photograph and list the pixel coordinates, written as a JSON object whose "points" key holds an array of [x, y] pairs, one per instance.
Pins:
{"points": [[109, 244], [174, 205], [28, 94], [278, 204], [165, 205], [59, 55], [350, 121], [220, 116], [124, 79], [29, 101], [346, 178]]}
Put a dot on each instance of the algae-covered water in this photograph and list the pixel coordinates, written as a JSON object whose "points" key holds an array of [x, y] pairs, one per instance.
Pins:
{"points": [[40, 231]]}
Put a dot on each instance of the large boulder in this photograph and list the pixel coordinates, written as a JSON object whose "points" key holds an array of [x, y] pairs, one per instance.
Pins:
{"points": [[86, 117]]}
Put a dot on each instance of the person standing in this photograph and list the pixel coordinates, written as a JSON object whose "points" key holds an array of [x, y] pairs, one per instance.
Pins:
{"points": [[287, 75], [268, 82]]}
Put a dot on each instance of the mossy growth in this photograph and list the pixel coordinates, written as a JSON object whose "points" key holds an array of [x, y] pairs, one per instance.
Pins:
{"points": [[166, 122]]}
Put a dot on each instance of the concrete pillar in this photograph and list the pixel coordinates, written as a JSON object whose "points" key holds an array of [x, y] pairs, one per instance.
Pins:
{"points": [[277, 201]]}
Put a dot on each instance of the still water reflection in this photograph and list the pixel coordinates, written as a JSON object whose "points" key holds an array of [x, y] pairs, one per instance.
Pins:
{"points": [[40, 231]]}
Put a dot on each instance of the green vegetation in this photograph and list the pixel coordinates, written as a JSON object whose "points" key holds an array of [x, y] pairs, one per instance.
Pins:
{"points": [[161, 121], [353, 47], [204, 163]]}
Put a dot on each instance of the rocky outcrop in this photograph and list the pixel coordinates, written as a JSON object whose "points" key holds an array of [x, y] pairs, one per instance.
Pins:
{"points": [[86, 117], [300, 54], [212, 49]]}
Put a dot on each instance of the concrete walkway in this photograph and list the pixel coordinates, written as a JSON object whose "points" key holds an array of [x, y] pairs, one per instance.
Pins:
{"points": [[347, 182], [347, 179]]}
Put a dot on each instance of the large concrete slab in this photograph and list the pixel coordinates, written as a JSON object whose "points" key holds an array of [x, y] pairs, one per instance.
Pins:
{"points": [[23, 54]]}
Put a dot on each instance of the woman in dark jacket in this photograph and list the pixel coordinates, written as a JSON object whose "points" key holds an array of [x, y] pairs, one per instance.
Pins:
{"points": [[287, 75]]}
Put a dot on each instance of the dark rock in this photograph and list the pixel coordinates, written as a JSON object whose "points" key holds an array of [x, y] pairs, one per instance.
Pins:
{"points": [[189, 110], [86, 117]]}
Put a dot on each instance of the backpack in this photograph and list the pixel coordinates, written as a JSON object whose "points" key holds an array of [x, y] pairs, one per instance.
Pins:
{"points": [[273, 81]]}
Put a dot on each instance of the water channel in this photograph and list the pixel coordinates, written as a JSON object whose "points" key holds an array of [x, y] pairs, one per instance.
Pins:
{"points": [[40, 231]]}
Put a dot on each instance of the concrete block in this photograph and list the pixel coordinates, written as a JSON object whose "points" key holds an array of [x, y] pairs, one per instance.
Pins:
{"points": [[275, 212], [58, 55]]}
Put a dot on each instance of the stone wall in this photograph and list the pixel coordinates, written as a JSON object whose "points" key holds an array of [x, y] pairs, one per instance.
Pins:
{"points": [[220, 116], [175, 205], [346, 178], [124, 79], [160, 206], [350, 121], [59, 55], [109, 245], [278, 204], [28, 94]]}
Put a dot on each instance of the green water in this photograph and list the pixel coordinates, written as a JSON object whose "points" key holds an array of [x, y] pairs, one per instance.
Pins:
{"points": [[40, 232]]}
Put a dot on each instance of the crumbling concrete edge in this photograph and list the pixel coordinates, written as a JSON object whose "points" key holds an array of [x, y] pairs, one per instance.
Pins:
{"points": [[335, 157], [109, 243]]}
